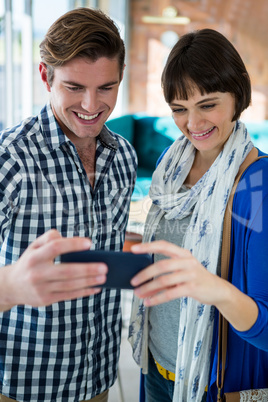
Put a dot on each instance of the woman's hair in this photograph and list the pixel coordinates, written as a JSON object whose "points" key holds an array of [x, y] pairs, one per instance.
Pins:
{"points": [[82, 32], [207, 60]]}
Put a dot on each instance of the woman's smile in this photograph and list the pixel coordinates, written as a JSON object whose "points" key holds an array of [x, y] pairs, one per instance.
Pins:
{"points": [[206, 120], [203, 135]]}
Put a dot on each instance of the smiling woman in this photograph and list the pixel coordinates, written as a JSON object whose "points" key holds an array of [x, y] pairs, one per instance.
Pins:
{"points": [[174, 319], [206, 120]]}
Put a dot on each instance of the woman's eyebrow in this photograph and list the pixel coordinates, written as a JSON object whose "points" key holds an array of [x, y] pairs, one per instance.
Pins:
{"points": [[197, 103], [207, 100]]}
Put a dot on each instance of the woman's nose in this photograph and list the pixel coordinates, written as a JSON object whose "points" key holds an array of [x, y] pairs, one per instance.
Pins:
{"points": [[195, 121]]}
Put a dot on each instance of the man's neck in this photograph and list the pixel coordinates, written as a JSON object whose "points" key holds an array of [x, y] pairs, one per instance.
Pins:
{"points": [[88, 158]]}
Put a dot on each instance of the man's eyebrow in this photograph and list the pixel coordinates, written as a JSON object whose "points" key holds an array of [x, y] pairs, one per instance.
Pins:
{"points": [[106, 84], [74, 84], [109, 84]]}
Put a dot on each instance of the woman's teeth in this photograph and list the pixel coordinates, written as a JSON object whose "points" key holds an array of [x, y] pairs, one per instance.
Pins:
{"points": [[86, 117], [201, 135]]}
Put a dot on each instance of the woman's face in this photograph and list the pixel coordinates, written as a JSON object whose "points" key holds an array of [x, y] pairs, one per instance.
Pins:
{"points": [[206, 120]]}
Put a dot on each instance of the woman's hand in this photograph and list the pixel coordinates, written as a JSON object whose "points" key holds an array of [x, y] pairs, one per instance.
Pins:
{"points": [[180, 275], [183, 276]]}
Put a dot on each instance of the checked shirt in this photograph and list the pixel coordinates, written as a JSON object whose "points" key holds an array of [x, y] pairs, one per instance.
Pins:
{"points": [[66, 352]]}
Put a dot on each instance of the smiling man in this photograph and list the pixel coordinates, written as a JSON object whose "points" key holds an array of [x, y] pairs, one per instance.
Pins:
{"points": [[82, 96], [64, 170]]}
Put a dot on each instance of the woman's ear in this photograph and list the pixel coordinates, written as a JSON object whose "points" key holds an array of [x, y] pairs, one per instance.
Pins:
{"points": [[43, 74]]}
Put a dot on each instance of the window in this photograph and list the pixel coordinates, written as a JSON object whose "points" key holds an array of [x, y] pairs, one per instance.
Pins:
{"points": [[23, 24]]}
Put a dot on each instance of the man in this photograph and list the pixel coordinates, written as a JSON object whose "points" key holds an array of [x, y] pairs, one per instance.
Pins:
{"points": [[64, 170]]}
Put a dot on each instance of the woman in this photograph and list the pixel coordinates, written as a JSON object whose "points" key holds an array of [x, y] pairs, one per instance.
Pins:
{"points": [[173, 328]]}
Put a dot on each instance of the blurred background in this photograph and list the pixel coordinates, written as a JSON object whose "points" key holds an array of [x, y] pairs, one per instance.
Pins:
{"points": [[149, 28]]}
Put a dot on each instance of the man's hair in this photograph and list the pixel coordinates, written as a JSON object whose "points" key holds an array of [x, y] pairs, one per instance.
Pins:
{"points": [[207, 60], [85, 33]]}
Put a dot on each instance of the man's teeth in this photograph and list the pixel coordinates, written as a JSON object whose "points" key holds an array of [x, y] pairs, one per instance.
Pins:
{"points": [[206, 132], [86, 117]]}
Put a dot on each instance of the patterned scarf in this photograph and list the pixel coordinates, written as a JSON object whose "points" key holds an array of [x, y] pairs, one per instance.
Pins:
{"points": [[206, 202]]}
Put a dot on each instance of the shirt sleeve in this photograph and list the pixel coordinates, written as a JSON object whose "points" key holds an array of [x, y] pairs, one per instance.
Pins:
{"points": [[10, 184], [255, 263]]}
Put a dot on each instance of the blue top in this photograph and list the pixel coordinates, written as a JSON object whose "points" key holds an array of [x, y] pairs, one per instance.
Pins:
{"points": [[247, 352], [67, 351]]}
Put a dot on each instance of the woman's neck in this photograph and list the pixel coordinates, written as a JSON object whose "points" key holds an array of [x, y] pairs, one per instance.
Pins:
{"points": [[202, 163]]}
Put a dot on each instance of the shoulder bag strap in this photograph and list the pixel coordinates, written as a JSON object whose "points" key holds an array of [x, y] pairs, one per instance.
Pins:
{"points": [[225, 257]]}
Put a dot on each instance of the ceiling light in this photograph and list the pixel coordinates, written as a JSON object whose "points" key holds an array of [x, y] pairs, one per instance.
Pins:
{"points": [[169, 16], [169, 38]]}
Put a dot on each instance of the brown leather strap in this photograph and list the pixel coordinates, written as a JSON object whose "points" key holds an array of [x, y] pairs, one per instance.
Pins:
{"points": [[225, 258]]}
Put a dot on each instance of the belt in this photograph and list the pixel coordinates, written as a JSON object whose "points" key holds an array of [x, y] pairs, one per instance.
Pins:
{"points": [[168, 375]]}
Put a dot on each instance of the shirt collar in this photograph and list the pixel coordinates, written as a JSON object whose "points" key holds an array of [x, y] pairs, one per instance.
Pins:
{"points": [[107, 139], [54, 136]]}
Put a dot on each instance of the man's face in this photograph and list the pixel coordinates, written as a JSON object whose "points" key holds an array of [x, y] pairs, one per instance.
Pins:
{"points": [[83, 95]]}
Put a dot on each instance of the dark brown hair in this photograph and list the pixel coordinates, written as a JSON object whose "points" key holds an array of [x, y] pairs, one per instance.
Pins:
{"points": [[82, 32], [207, 60]]}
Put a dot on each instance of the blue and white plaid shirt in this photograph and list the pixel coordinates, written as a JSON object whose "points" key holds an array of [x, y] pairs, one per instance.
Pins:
{"points": [[69, 350]]}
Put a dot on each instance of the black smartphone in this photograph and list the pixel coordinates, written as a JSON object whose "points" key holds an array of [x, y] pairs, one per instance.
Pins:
{"points": [[122, 266]]}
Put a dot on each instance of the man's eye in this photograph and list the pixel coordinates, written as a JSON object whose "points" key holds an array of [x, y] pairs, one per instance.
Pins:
{"points": [[106, 88], [73, 89]]}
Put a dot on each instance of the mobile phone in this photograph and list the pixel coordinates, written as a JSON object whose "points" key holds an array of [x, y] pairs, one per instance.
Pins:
{"points": [[122, 266]]}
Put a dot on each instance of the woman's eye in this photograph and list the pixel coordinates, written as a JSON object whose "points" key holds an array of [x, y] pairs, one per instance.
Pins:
{"points": [[178, 110], [209, 106]]}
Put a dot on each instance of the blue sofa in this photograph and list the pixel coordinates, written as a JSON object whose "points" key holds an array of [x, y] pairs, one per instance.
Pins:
{"points": [[150, 135]]}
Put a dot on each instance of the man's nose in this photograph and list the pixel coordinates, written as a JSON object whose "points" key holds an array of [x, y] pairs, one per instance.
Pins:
{"points": [[90, 101]]}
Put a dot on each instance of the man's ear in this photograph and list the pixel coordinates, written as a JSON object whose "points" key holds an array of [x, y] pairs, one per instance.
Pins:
{"points": [[43, 74]]}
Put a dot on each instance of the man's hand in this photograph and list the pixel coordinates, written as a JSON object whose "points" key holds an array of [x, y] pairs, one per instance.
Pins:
{"points": [[37, 281]]}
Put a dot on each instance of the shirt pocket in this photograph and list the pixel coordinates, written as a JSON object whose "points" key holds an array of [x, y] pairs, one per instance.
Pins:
{"points": [[119, 201]]}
